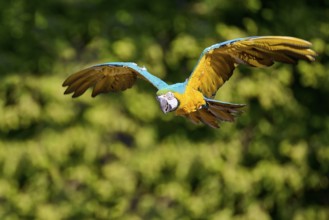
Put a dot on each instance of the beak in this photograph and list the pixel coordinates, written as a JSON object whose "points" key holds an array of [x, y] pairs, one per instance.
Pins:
{"points": [[163, 104]]}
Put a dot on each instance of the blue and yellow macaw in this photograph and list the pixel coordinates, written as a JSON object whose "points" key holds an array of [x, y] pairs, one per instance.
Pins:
{"points": [[193, 98]]}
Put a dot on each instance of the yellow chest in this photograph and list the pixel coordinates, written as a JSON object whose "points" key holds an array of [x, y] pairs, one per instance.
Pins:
{"points": [[190, 101]]}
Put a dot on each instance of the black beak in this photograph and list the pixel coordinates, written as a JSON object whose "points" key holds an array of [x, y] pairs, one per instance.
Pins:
{"points": [[163, 105]]}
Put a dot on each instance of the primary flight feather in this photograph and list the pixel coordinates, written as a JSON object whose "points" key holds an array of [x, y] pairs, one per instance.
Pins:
{"points": [[193, 98]]}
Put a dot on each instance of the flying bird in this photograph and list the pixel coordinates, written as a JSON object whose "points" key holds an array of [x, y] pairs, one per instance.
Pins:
{"points": [[194, 98]]}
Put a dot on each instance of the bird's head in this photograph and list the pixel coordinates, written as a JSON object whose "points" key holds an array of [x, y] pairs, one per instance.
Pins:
{"points": [[168, 102]]}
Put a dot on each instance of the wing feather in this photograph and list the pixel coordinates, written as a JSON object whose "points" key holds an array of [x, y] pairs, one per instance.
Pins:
{"points": [[217, 62], [82, 88], [99, 87], [208, 118], [193, 116], [76, 84], [203, 116], [109, 77]]}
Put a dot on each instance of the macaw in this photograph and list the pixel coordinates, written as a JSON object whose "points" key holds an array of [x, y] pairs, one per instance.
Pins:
{"points": [[193, 98]]}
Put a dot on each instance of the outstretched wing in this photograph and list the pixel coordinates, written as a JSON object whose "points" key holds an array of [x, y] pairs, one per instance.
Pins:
{"points": [[109, 77], [217, 63]]}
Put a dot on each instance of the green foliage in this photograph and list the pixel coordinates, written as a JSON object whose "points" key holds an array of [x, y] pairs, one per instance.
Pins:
{"points": [[117, 156]]}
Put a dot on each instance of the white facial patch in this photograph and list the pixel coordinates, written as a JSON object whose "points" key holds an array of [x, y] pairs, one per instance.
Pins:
{"points": [[168, 102]]}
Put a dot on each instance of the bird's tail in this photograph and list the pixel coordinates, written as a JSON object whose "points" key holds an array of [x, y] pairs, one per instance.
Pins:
{"points": [[216, 111]]}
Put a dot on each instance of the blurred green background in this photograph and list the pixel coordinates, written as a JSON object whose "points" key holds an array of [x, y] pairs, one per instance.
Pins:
{"points": [[117, 156]]}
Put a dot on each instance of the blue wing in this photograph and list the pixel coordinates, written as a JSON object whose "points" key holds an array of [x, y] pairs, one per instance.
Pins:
{"points": [[109, 77]]}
